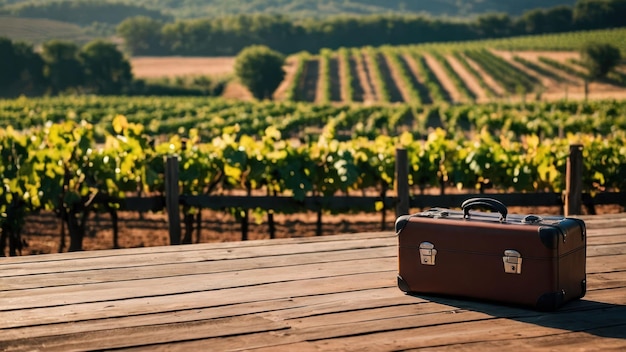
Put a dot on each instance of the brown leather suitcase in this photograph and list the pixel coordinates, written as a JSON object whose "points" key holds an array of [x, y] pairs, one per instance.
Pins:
{"points": [[530, 261]]}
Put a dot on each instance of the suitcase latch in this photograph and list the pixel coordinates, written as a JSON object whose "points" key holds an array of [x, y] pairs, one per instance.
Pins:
{"points": [[512, 262], [427, 253]]}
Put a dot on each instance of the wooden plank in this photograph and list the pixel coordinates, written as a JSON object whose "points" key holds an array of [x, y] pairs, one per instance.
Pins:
{"points": [[368, 330], [613, 279], [215, 290], [472, 323], [325, 263], [335, 292], [42, 318], [109, 253], [201, 255], [606, 264], [265, 308], [71, 294], [582, 341], [599, 250], [145, 335]]}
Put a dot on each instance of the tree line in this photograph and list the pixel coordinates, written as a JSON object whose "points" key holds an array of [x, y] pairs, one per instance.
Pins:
{"points": [[82, 12], [230, 34], [98, 67]]}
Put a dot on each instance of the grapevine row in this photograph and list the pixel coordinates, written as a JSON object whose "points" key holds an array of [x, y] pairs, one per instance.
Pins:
{"points": [[62, 166], [562, 67], [454, 76], [403, 75], [479, 78], [437, 92], [166, 116], [372, 63], [36, 164], [539, 69], [291, 91], [512, 79], [347, 78]]}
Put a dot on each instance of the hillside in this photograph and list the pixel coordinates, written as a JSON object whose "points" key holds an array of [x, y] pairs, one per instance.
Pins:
{"points": [[320, 8], [35, 30], [524, 68]]}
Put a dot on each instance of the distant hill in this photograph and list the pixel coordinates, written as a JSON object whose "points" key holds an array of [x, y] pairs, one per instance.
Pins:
{"points": [[37, 31], [321, 8]]}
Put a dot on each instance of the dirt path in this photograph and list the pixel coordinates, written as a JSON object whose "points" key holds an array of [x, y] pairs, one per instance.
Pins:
{"points": [[365, 81], [343, 71], [392, 81], [421, 88], [488, 79], [320, 81], [290, 67], [400, 83], [468, 79], [443, 78]]}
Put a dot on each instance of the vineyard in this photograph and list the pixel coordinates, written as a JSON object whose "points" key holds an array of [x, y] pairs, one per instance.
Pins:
{"points": [[40, 30], [65, 152], [525, 68], [68, 154]]}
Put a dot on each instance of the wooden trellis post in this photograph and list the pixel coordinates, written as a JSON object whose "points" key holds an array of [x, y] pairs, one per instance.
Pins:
{"points": [[172, 198], [402, 182], [574, 181]]}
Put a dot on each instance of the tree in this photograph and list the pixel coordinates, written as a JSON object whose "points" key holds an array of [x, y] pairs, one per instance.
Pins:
{"points": [[494, 25], [106, 71], [21, 69], [142, 35], [539, 21], [8, 63], [599, 59], [594, 14], [63, 70], [31, 69], [260, 69]]}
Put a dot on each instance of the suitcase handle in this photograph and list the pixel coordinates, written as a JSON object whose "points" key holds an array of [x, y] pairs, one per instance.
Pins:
{"points": [[489, 203]]}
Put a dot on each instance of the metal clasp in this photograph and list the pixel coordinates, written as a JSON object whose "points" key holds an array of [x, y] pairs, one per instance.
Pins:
{"points": [[532, 219], [427, 253], [512, 262]]}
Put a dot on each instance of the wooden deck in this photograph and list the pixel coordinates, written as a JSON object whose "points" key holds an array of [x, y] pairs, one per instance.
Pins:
{"points": [[323, 293]]}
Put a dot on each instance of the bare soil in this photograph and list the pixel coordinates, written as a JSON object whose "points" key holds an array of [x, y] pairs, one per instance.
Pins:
{"points": [[466, 77], [42, 232], [443, 78]]}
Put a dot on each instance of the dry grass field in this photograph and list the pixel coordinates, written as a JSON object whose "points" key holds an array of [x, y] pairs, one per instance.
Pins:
{"points": [[172, 66]]}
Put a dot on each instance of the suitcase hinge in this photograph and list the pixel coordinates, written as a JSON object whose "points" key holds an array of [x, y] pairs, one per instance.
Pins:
{"points": [[427, 253], [512, 262]]}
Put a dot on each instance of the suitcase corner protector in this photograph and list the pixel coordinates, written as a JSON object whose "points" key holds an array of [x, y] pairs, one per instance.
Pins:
{"points": [[403, 285], [401, 221]]}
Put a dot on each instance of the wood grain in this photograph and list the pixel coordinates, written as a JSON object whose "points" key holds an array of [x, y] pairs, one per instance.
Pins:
{"points": [[305, 294]]}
